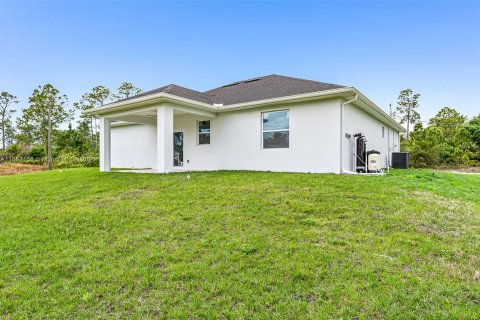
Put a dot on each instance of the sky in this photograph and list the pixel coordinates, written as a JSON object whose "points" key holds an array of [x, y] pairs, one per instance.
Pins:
{"points": [[377, 47]]}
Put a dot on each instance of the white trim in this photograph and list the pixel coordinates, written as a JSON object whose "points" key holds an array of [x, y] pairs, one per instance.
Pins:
{"points": [[105, 145], [157, 98], [382, 115], [136, 119], [199, 133], [165, 97], [292, 98], [275, 130], [197, 112], [148, 100]]}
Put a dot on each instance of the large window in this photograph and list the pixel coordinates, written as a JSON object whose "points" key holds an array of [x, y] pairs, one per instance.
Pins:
{"points": [[204, 132], [275, 129]]}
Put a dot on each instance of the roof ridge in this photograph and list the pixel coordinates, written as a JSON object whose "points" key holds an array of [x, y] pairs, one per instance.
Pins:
{"points": [[176, 85], [268, 76], [306, 80], [172, 85], [168, 88], [237, 82]]}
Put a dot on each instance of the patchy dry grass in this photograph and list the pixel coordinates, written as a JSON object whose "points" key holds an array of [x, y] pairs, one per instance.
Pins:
{"points": [[14, 168], [82, 244], [462, 170]]}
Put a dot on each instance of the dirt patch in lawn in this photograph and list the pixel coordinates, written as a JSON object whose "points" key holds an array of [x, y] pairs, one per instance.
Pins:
{"points": [[463, 170], [14, 168]]}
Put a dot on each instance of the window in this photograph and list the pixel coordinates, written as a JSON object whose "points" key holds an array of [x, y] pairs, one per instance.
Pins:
{"points": [[204, 132], [275, 129], [383, 132]]}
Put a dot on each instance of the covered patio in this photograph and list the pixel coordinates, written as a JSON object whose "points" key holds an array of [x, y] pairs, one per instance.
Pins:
{"points": [[160, 119]]}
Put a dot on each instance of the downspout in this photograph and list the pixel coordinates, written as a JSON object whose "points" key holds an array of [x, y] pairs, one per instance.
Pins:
{"points": [[342, 111], [388, 150]]}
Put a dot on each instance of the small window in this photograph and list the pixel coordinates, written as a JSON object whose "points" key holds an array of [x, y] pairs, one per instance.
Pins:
{"points": [[276, 129], [204, 132], [383, 132]]}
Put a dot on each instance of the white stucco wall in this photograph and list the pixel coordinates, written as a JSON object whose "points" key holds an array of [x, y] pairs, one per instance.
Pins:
{"points": [[236, 140], [134, 146], [356, 120]]}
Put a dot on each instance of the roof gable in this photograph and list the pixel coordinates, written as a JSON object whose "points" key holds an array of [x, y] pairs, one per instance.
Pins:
{"points": [[176, 90]]}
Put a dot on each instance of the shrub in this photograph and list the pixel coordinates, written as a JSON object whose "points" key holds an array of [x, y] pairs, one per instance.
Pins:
{"points": [[36, 152], [71, 160], [13, 149]]}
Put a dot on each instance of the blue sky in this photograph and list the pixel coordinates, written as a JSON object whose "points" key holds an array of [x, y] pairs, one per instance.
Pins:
{"points": [[378, 47]]}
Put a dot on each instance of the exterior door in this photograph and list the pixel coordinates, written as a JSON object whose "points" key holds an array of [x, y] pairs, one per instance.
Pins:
{"points": [[178, 149]]}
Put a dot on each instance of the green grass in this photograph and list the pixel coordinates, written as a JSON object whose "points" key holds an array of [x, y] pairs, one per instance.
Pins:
{"points": [[82, 244]]}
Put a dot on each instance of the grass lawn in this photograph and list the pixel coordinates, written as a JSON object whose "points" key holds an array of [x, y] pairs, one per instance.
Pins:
{"points": [[82, 244]]}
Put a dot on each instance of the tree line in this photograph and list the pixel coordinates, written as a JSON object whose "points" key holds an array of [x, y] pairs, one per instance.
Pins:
{"points": [[447, 139], [37, 132]]}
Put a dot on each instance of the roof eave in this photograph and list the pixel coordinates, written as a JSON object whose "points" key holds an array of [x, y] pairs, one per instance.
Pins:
{"points": [[162, 97], [382, 114], [147, 100], [326, 94]]}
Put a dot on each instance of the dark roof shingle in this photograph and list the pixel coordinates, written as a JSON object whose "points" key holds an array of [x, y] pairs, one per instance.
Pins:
{"points": [[261, 88], [178, 91], [268, 87]]}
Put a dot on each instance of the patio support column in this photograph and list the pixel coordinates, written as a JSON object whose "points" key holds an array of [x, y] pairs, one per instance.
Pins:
{"points": [[105, 149], [165, 138]]}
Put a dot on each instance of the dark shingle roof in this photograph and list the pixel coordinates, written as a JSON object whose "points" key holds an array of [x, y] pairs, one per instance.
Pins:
{"points": [[267, 87], [178, 91]]}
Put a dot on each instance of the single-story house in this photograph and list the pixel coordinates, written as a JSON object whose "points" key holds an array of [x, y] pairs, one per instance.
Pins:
{"points": [[270, 123]]}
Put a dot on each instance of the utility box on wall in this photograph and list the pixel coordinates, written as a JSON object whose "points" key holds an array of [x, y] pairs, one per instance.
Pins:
{"points": [[400, 160]]}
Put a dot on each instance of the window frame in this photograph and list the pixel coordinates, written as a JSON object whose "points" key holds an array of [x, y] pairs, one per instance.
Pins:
{"points": [[262, 131], [200, 133]]}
